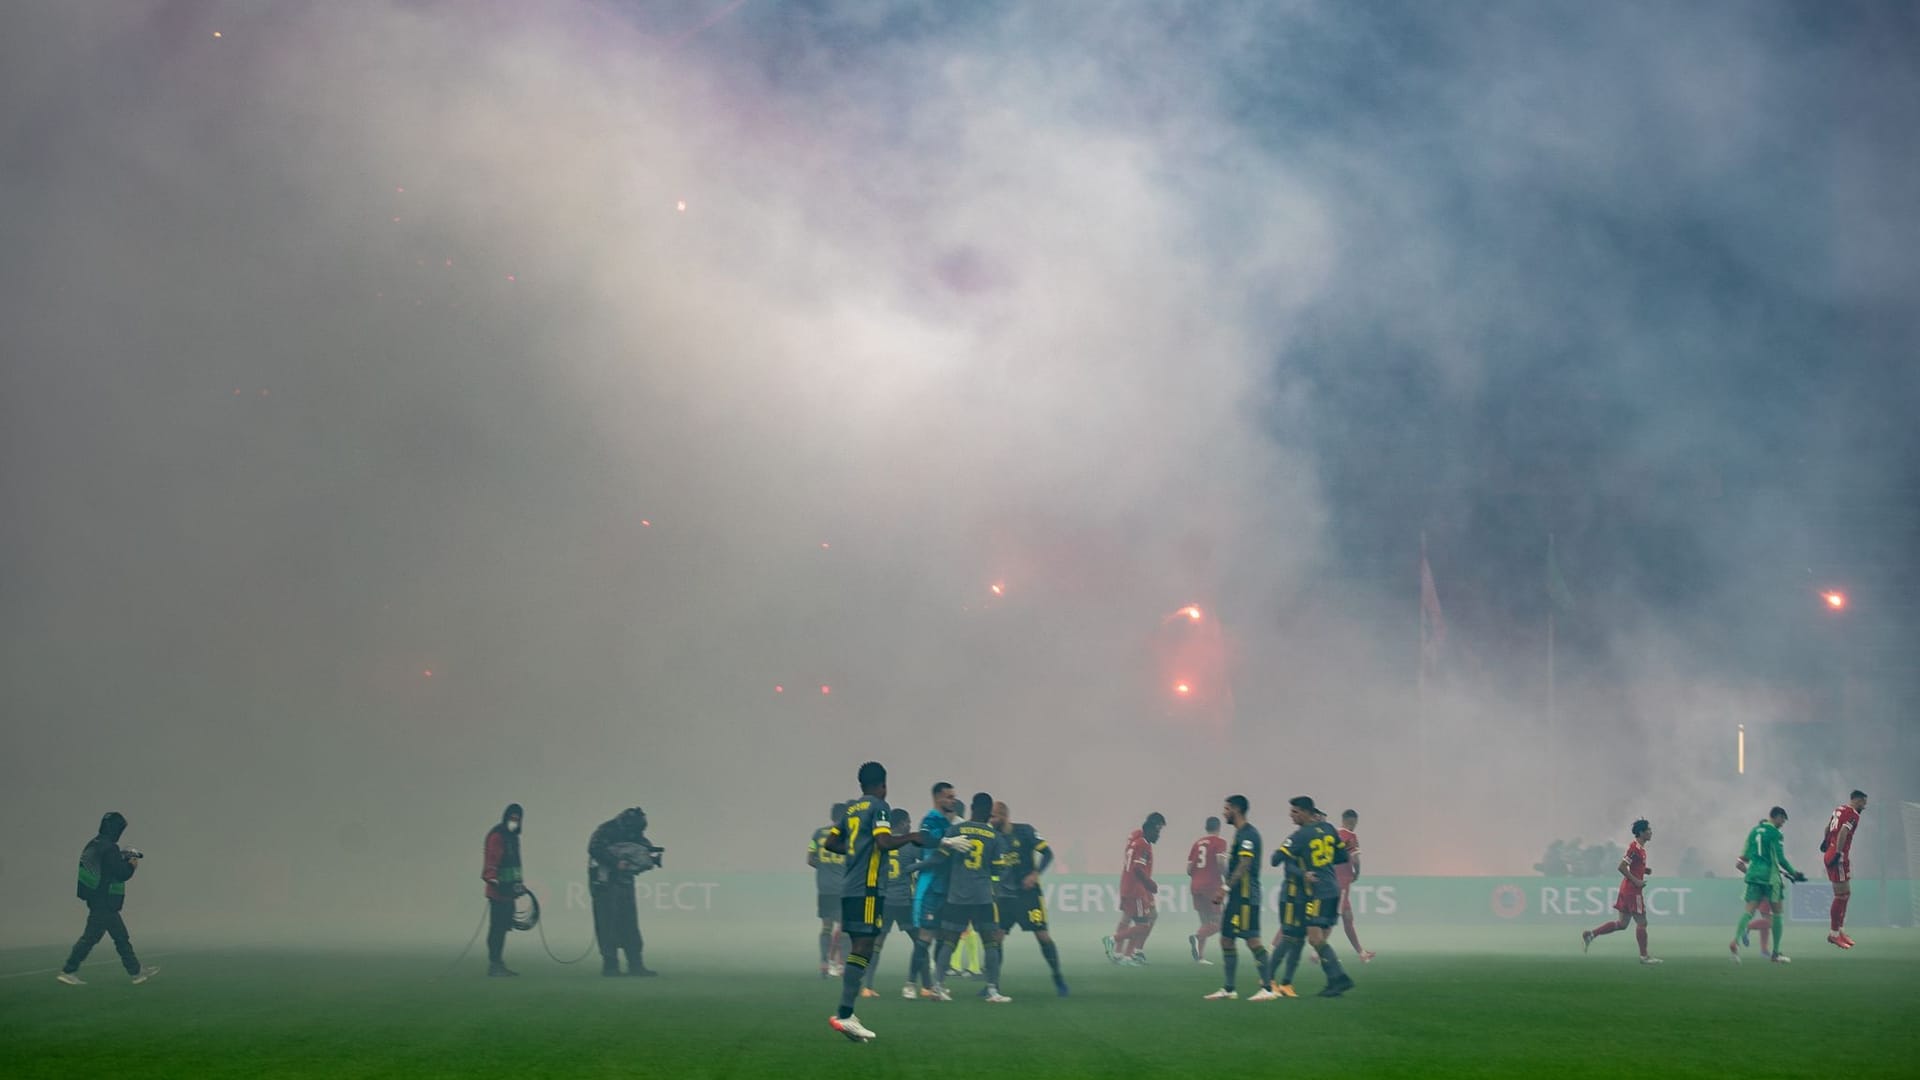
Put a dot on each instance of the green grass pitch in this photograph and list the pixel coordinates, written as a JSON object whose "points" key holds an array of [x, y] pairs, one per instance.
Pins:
{"points": [[748, 1004]]}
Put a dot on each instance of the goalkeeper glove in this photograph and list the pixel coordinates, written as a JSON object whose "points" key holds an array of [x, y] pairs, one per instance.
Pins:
{"points": [[1798, 876], [957, 844]]}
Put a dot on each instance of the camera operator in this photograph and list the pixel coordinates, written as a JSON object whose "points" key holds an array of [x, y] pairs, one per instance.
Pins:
{"points": [[104, 869], [501, 872], [619, 851]]}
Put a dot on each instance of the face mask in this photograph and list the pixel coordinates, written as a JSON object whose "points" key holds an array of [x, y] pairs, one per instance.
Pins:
{"points": [[513, 826]]}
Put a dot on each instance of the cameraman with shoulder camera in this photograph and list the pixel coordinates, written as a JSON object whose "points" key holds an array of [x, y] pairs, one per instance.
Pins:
{"points": [[104, 869], [619, 851]]}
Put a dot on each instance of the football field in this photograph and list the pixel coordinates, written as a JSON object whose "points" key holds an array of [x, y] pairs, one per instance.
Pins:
{"points": [[1442, 1003]]}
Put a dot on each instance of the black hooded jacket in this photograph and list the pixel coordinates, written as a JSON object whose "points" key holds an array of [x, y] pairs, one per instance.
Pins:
{"points": [[501, 870], [104, 869], [603, 866]]}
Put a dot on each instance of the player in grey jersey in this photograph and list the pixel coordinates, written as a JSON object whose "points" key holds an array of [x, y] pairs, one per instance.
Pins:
{"points": [[864, 835], [971, 850], [896, 899]]}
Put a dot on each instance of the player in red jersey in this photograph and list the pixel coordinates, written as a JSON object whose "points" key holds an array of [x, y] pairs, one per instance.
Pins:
{"points": [[1206, 860], [1137, 890], [1836, 850], [1632, 901], [1347, 873]]}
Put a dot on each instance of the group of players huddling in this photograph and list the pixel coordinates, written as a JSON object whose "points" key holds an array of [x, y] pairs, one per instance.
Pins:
{"points": [[1765, 871], [982, 874]]}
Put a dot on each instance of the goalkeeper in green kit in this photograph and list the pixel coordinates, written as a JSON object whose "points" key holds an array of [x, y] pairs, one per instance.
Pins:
{"points": [[1766, 861]]}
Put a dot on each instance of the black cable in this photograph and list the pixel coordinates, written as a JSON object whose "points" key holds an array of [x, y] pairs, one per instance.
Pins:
{"points": [[592, 941], [468, 947]]}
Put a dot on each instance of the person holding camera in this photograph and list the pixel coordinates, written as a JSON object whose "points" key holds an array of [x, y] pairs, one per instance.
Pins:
{"points": [[618, 852], [501, 872], [105, 867]]}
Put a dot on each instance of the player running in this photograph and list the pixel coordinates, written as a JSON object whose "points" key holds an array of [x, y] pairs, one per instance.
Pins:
{"points": [[1206, 862], [1632, 900], [1766, 860], [930, 886], [863, 836], [1138, 909], [971, 852], [1836, 851], [1309, 902], [1241, 897], [1024, 856], [1346, 874], [828, 869]]}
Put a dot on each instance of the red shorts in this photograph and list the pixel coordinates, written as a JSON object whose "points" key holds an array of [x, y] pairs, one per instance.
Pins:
{"points": [[1137, 908], [1631, 902], [1840, 870]]}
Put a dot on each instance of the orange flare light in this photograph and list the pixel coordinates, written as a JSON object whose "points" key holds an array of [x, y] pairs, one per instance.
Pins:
{"points": [[1836, 600], [1182, 689]]}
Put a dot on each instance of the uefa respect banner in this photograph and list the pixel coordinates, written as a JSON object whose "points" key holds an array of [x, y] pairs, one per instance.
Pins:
{"points": [[1484, 901]]}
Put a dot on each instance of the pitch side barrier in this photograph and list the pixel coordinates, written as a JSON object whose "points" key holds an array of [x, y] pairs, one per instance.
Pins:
{"points": [[1413, 901]]}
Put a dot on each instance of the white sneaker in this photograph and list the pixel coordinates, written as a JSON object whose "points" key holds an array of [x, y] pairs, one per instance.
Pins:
{"points": [[909, 992], [851, 1027], [1265, 995], [1220, 995], [1778, 959], [995, 997], [1650, 960], [70, 979], [940, 994], [1107, 944], [146, 973], [834, 971], [1204, 962]]}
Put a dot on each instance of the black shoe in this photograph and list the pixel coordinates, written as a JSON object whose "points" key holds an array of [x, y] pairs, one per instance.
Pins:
{"points": [[610, 970], [1338, 986], [500, 971], [643, 971]]}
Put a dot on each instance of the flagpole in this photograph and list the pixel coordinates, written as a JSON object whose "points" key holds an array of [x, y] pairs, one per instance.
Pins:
{"points": [[1553, 704], [1420, 609]]}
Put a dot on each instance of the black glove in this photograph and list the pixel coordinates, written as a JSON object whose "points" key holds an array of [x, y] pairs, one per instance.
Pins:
{"points": [[1798, 876], [1275, 859]]}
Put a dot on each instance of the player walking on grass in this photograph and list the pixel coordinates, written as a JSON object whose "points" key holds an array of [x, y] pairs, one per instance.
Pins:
{"points": [[1632, 900], [1024, 856], [863, 837], [1138, 909], [1346, 874], [828, 869], [1240, 899], [1206, 862], [1766, 860], [1309, 902], [971, 852], [1836, 851]]}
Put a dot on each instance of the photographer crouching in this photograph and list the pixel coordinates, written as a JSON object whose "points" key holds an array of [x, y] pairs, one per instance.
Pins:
{"points": [[618, 852], [105, 867]]}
